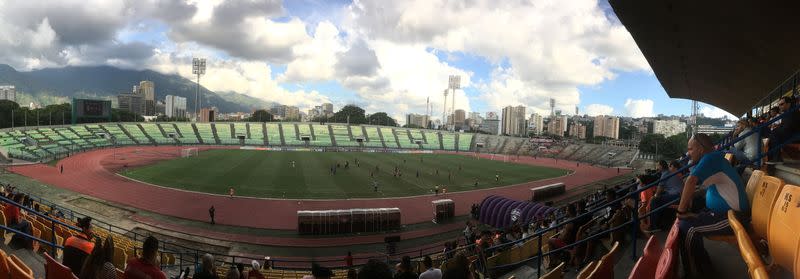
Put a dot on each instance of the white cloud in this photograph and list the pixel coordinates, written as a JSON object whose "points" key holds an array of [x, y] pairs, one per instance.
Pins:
{"points": [[599, 109], [639, 108], [552, 47], [316, 58], [715, 112]]}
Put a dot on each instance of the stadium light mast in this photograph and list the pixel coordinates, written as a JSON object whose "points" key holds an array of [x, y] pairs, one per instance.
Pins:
{"points": [[454, 83], [444, 109], [199, 69]]}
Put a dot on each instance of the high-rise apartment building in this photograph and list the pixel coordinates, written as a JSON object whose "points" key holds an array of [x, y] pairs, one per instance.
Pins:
{"points": [[419, 120], [577, 130], [606, 126], [536, 123], [8, 92], [131, 102], [557, 125], [292, 113], [514, 121], [175, 106], [148, 91]]}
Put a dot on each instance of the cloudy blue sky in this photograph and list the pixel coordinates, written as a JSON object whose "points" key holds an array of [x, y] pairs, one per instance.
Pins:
{"points": [[382, 55]]}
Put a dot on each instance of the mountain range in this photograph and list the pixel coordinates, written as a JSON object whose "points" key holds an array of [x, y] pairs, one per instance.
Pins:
{"points": [[58, 85]]}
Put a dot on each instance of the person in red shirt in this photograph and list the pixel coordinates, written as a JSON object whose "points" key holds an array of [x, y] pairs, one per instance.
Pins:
{"points": [[145, 267], [348, 260], [78, 247], [255, 272], [15, 221]]}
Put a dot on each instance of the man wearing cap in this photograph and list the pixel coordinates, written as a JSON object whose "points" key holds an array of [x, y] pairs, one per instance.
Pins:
{"points": [[79, 246], [256, 271]]}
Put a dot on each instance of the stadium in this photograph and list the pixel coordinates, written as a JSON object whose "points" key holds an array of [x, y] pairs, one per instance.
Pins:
{"points": [[327, 198]]}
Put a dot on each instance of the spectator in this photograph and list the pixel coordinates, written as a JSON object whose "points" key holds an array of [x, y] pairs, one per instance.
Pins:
{"points": [[404, 269], [15, 221], [240, 268], [567, 234], [348, 260], [146, 267], [255, 272], [352, 274], [94, 262], [459, 269], [207, 269], [430, 271], [319, 272], [375, 269], [745, 150], [789, 127], [233, 273], [667, 191], [79, 246], [725, 191]]}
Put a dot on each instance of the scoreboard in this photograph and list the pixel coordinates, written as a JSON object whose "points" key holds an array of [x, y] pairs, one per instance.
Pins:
{"points": [[87, 110]]}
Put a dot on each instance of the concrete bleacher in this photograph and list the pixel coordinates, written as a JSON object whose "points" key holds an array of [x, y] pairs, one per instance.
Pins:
{"points": [[341, 134], [256, 134], [431, 141], [155, 133], [465, 141], [205, 133], [322, 137], [373, 137], [404, 139], [448, 141], [51, 142], [290, 136], [389, 137], [225, 134], [273, 134], [187, 134]]}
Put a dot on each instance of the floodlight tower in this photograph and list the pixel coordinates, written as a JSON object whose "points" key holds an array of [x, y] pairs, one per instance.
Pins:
{"points": [[444, 109], [453, 84], [199, 69]]}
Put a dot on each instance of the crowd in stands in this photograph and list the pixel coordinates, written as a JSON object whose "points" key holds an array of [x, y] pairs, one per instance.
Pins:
{"points": [[780, 131]]}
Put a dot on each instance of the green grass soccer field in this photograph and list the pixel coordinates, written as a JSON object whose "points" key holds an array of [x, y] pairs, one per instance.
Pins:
{"points": [[271, 174]]}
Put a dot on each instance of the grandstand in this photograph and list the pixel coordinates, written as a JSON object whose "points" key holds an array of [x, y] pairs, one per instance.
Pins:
{"points": [[205, 133], [291, 134], [255, 135], [321, 135], [342, 136], [373, 138], [274, 134]]}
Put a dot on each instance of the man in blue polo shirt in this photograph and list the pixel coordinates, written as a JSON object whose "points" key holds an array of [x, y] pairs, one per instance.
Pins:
{"points": [[724, 190]]}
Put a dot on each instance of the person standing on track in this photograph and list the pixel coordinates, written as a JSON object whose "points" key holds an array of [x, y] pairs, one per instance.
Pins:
{"points": [[231, 192], [211, 214], [62, 168]]}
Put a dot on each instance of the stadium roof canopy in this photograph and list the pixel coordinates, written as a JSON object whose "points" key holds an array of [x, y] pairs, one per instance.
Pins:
{"points": [[730, 54]]}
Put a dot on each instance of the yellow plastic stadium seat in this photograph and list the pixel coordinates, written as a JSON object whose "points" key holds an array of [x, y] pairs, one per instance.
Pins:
{"points": [[19, 269], [749, 253], [120, 257], [4, 268], [762, 206], [784, 229], [556, 273], [605, 267], [586, 270], [753, 183]]}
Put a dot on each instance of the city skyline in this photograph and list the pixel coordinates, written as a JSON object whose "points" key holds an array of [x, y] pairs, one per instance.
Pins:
{"points": [[304, 53]]}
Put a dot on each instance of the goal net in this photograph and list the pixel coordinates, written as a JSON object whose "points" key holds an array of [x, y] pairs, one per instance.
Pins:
{"points": [[188, 152]]}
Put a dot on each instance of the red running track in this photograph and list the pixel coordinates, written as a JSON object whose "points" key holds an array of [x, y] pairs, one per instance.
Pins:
{"points": [[94, 174]]}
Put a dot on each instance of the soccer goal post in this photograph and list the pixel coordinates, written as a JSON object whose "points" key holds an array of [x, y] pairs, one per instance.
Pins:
{"points": [[188, 152]]}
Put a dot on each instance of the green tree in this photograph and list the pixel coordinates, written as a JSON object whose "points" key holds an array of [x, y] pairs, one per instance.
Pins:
{"points": [[413, 126], [261, 116], [354, 113], [6, 109], [381, 118]]}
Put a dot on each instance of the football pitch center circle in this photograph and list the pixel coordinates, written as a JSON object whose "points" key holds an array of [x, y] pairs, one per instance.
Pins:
{"points": [[334, 175]]}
